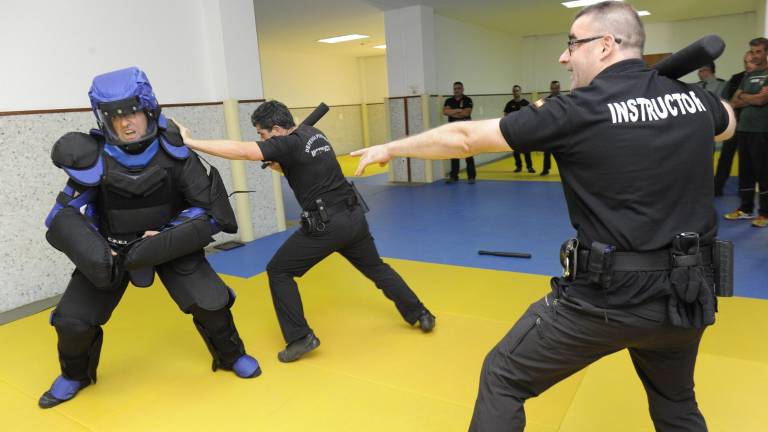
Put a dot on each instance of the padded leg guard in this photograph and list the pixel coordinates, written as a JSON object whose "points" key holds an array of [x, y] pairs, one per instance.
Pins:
{"points": [[83, 367], [224, 343], [78, 368]]}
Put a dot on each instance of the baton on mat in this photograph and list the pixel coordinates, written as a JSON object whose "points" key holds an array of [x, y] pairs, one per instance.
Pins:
{"points": [[505, 254]]}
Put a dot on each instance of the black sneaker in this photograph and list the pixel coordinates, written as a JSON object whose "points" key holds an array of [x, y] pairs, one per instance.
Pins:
{"points": [[426, 321], [296, 349], [518, 169], [544, 173], [471, 181], [451, 180], [531, 170]]}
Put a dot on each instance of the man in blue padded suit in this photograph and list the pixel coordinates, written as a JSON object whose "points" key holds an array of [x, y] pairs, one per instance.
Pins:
{"points": [[148, 206]]}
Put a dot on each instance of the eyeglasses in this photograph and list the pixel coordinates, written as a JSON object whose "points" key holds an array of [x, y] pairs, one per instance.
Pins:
{"points": [[572, 42]]}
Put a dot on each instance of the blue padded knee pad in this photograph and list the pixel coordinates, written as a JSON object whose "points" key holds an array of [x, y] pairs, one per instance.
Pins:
{"points": [[246, 367]]}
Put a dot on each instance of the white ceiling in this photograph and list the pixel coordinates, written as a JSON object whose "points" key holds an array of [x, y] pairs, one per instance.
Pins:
{"points": [[296, 25]]}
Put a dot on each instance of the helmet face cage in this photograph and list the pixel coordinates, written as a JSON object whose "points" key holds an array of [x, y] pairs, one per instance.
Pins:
{"points": [[106, 112]]}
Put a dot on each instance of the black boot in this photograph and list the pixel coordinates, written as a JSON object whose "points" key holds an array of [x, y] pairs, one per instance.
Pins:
{"points": [[296, 349], [426, 321]]}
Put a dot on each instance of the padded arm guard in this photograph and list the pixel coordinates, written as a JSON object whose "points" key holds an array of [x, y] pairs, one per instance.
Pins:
{"points": [[172, 243], [207, 190], [71, 233]]}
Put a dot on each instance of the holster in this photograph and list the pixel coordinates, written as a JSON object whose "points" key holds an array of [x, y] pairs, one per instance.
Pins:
{"points": [[722, 263], [313, 221], [600, 266]]}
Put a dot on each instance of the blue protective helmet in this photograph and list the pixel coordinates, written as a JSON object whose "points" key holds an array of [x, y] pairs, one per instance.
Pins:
{"points": [[123, 92]]}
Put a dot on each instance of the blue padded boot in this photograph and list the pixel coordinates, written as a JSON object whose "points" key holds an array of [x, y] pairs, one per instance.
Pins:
{"points": [[61, 390]]}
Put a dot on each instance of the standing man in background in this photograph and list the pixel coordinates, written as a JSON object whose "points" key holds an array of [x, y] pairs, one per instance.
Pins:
{"points": [[752, 136], [459, 108], [554, 90], [725, 160], [708, 80], [333, 220], [515, 104]]}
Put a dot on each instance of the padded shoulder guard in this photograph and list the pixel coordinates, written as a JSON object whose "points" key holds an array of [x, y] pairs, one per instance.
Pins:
{"points": [[171, 139], [79, 154]]}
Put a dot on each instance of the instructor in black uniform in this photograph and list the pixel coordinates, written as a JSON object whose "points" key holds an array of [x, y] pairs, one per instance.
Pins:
{"points": [[333, 220], [635, 155]]}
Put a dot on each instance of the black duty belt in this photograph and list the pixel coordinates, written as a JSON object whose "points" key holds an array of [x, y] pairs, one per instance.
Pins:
{"points": [[333, 209], [658, 260]]}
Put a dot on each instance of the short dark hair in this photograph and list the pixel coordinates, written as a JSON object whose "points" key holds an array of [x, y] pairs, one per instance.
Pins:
{"points": [[759, 41], [272, 113], [710, 66], [619, 19], [516, 85], [459, 83], [555, 82]]}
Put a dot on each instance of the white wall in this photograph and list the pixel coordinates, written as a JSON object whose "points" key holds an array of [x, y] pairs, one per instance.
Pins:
{"points": [[411, 42], [303, 80], [373, 76], [542, 52], [52, 49], [486, 61]]}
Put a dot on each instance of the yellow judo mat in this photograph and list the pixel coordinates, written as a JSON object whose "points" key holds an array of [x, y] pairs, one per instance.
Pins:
{"points": [[503, 169], [372, 371]]}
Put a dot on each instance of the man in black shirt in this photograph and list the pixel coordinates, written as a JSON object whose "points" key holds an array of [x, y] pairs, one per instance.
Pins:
{"points": [[333, 220], [459, 108], [513, 105], [635, 155], [729, 146], [554, 90]]}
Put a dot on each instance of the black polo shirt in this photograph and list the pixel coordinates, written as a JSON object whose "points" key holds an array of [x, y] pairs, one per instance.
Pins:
{"points": [[309, 164], [514, 105], [634, 150], [453, 103]]}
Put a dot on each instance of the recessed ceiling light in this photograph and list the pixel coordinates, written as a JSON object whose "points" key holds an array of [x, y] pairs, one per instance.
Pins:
{"points": [[643, 13], [344, 38], [580, 3], [381, 46]]}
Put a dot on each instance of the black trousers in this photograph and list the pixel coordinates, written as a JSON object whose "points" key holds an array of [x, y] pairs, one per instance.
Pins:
{"points": [[724, 163], [519, 163], [346, 233], [753, 168], [553, 340], [83, 308], [547, 161], [471, 172]]}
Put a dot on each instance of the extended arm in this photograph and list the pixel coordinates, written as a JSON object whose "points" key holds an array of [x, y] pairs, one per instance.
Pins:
{"points": [[451, 141]]}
